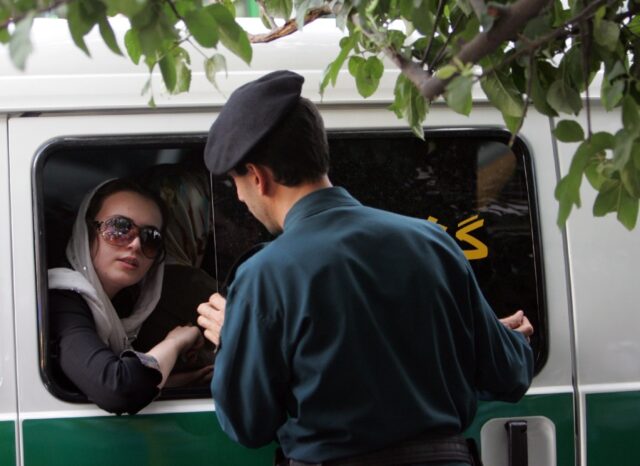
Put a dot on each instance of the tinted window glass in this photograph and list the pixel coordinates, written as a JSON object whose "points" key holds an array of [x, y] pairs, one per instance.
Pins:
{"points": [[469, 182]]}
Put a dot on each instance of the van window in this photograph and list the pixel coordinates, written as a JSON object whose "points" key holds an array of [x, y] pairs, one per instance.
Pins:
{"points": [[469, 182]]}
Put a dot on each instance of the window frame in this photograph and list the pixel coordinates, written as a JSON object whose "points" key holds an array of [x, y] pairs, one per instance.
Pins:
{"points": [[198, 139]]}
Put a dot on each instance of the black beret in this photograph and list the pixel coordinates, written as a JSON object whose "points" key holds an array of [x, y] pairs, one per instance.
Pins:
{"points": [[251, 112]]}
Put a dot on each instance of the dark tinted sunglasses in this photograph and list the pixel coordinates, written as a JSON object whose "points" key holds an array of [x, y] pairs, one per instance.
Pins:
{"points": [[121, 231]]}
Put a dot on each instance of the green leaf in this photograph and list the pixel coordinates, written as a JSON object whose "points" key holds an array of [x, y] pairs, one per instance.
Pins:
{"points": [[183, 72], [156, 32], [568, 189], [503, 94], [630, 178], [446, 72], [568, 131], [539, 92], [634, 25], [423, 19], [129, 8], [213, 65], [279, 8], [563, 98], [608, 198], [79, 25], [168, 68], [108, 36], [20, 45], [132, 43], [302, 6], [354, 65], [458, 94], [203, 27], [333, 69], [537, 27], [231, 34], [611, 93], [512, 123], [572, 69], [606, 33], [367, 73], [409, 104], [635, 154], [594, 175], [628, 210], [624, 141], [630, 116], [5, 37], [602, 141]]}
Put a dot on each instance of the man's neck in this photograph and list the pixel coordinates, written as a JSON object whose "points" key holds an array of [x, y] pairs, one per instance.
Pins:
{"points": [[288, 196]]}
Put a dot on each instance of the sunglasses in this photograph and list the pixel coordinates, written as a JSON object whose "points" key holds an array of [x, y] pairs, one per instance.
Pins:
{"points": [[121, 231]]}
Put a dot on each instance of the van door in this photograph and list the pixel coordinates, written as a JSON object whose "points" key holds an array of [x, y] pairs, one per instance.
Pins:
{"points": [[8, 402], [70, 430], [604, 276]]}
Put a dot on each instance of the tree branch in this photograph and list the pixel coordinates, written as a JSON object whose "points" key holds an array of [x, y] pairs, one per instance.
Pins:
{"points": [[506, 27], [485, 43], [38, 11], [290, 26], [412, 70]]}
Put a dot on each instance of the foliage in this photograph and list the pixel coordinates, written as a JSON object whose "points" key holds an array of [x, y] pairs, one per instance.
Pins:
{"points": [[543, 53]]}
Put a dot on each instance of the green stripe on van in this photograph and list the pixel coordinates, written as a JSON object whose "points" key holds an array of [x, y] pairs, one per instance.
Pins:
{"points": [[613, 425], [160, 439], [7, 443], [196, 438], [557, 407]]}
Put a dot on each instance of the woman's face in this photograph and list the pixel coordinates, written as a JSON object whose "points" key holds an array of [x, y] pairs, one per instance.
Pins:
{"points": [[118, 267]]}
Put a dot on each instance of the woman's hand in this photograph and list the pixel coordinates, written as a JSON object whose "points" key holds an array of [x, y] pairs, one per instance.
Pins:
{"points": [[186, 337], [212, 317]]}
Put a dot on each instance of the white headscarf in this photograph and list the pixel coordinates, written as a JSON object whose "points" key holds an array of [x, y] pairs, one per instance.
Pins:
{"points": [[115, 332]]}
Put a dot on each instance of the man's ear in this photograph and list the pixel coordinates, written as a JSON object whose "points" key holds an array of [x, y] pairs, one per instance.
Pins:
{"points": [[261, 176]]}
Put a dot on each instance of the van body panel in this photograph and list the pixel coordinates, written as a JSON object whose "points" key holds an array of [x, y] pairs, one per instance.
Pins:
{"points": [[558, 408], [171, 428], [8, 400], [156, 439], [612, 432], [603, 257]]}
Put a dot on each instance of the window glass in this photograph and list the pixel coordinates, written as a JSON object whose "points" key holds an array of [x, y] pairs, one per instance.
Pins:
{"points": [[170, 166], [469, 182]]}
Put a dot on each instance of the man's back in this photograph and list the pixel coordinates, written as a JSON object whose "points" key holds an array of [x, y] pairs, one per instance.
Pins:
{"points": [[376, 332]]}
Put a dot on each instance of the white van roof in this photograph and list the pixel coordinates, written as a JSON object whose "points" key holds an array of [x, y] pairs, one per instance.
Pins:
{"points": [[59, 76]]}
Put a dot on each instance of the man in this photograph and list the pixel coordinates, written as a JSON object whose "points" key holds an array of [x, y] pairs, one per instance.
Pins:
{"points": [[357, 336]]}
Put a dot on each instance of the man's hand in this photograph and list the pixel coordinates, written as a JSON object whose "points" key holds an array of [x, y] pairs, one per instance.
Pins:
{"points": [[211, 317], [518, 322]]}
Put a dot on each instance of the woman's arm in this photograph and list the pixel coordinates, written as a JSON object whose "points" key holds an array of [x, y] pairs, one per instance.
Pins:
{"points": [[177, 341]]}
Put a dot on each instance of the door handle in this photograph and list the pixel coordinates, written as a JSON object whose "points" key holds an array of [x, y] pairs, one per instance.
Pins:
{"points": [[518, 449]]}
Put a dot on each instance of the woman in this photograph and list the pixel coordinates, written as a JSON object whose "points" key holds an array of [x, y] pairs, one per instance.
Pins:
{"points": [[115, 251]]}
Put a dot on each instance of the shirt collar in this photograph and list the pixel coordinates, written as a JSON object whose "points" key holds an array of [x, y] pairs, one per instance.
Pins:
{"points": [[318, 201]]}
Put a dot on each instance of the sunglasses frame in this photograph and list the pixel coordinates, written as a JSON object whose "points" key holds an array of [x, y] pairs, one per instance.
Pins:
{"points": [[158, 256]]}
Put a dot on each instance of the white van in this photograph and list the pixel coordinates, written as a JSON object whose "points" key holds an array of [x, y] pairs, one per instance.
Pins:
{"points": [[70, 122]]}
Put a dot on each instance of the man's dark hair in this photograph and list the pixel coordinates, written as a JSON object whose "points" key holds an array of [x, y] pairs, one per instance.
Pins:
{"points": [[296, 151]]}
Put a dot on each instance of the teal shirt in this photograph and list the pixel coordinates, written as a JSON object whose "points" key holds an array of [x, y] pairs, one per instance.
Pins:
{"points": [[357, 328]]}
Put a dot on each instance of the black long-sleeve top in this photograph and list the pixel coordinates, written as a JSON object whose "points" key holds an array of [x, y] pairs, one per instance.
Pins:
{"points": [[123, 383]]}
